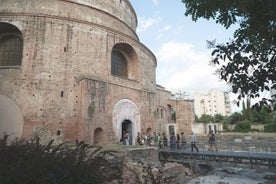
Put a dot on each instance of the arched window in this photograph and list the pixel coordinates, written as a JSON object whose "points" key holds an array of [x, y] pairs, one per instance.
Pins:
{"points": [[10, 51], [118, 64], [11, 45]]}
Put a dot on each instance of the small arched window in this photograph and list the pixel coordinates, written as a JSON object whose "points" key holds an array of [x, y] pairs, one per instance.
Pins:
{"points": [[118, 64]]}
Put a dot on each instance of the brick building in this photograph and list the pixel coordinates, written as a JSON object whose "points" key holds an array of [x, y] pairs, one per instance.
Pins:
{"points": [[76, 70]]}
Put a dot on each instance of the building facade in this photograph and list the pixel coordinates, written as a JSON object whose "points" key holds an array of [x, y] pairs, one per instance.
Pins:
{"points": [[212, 103], [174, 115], [76, 70]]}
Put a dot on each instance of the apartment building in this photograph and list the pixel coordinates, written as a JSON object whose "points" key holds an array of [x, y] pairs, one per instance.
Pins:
{"points": [[212, 102]]}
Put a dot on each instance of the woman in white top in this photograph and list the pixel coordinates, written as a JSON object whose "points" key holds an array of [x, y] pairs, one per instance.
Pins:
{"points": [[193, 142]]}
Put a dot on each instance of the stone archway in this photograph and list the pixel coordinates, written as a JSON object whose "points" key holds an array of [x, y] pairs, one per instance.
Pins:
{"points": [[126, 112], [11, 118], [98, 136]]}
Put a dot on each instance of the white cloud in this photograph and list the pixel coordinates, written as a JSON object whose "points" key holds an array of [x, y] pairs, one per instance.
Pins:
{"points": [[167, 28], [163, 31], [155, 2], [146, 23], [179, 29], [181, 66]]}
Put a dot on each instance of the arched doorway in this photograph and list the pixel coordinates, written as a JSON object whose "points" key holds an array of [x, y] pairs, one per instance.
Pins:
{"points": [[11, 118], [126, 115], [127, 127], [98, 136]]}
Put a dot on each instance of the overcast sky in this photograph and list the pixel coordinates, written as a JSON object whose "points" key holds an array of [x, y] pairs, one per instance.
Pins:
{"points": [[179, 45]]}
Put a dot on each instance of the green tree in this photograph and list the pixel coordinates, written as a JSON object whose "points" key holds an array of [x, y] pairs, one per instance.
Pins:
{"points": [[247, 111], [264, 115], [248, 61], [235, 117], [205, 118], [243, 126], [218, 118]]}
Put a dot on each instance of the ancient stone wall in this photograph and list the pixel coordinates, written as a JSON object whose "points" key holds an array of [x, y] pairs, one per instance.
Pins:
{"points": [[163, 113], [185, 116], [66, 45]]}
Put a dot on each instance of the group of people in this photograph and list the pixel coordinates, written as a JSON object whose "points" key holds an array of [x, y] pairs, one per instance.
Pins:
{"points": [[148, 139], [177, 141]]}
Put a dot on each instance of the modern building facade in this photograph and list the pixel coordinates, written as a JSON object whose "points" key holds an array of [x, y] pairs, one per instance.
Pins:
{"points": [[212, 103]]}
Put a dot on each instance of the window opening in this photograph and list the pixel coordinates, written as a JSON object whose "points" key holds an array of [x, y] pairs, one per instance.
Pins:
{"points": [[10, 50], [118, 64]]}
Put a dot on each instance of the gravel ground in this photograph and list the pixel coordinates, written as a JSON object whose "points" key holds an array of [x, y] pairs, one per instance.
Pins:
{"points": [[232, 175]]}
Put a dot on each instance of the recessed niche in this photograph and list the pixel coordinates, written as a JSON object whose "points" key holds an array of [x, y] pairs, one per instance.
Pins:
{"points": [[58, 132]]}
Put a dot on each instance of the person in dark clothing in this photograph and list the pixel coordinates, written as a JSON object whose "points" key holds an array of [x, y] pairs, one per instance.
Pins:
{"points": [[165, 140], [172, 141], [177, 141]]}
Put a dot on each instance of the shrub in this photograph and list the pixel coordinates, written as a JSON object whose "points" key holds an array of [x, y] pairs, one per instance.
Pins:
{"points": [[242, 126], [33, 163], [270, 127]]}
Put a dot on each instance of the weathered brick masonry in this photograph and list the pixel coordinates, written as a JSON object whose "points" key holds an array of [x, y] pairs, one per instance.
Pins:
{"points": [[63, 87]]}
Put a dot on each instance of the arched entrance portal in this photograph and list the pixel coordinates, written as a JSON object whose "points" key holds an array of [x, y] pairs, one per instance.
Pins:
{"points": [[127, 127], [126, 116]]}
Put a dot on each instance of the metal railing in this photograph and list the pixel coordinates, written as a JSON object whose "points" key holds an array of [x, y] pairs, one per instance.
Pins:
{"points": [[244, 146], [236, 152]]}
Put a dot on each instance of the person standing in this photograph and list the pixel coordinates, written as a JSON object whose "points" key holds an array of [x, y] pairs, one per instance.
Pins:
{"points": [[165, 140], [172, 141], [160, 139], [149, 139], [139, 138], [155, 138], [193, 142], [183, 140], [177, 141], [209, 141], [212, 140], [126, 138]]}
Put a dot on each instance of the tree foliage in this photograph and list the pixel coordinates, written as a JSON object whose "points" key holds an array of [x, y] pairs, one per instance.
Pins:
{"points": [[206, 118], [243, 126], [247, 62], [30, 162], [247, 111], [218, 118]]}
